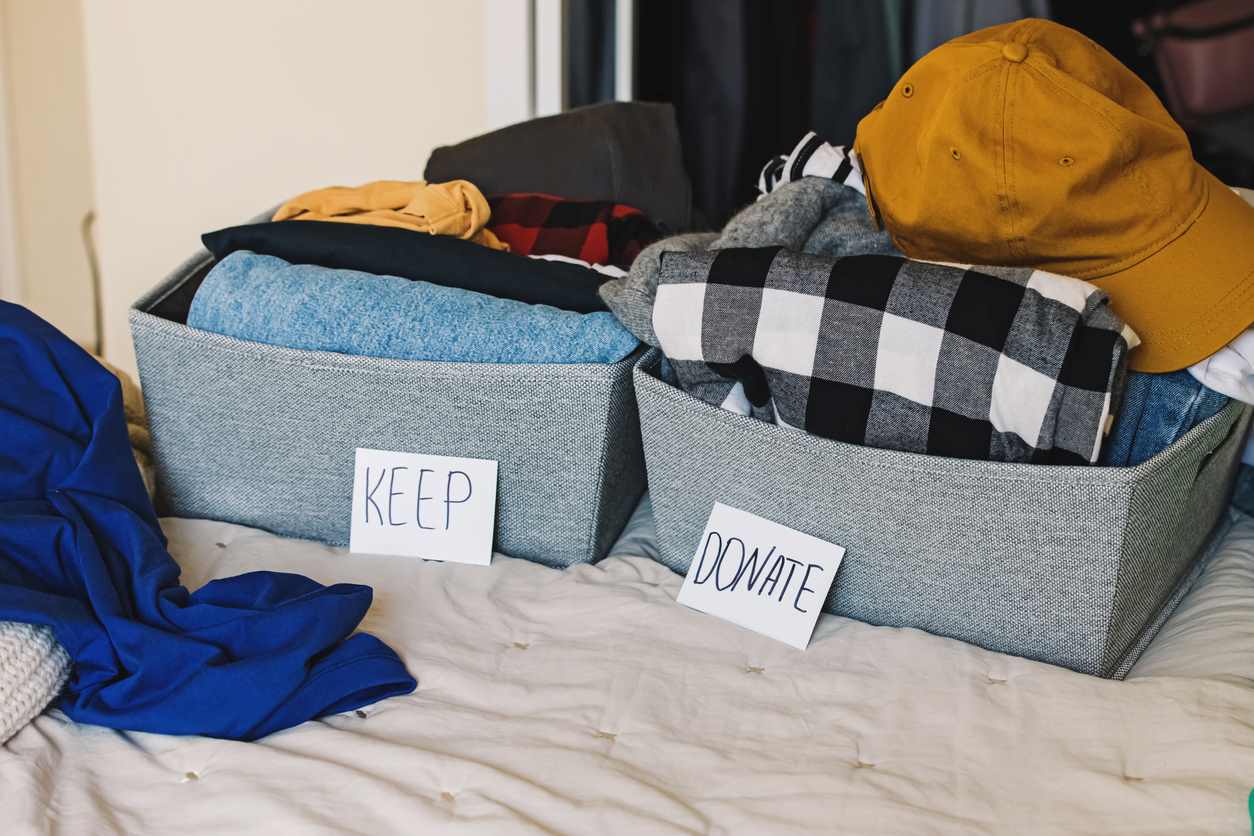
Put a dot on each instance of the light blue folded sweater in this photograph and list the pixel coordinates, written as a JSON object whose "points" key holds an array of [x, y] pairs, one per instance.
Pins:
{"points": [[265, 299]]}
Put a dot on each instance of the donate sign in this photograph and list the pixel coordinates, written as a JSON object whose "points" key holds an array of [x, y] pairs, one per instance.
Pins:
{"points": [[761, 575], [433, 507]]}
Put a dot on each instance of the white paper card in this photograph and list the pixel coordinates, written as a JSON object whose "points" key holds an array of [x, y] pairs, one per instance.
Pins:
{"points": [[761, 575], [416, 505]]}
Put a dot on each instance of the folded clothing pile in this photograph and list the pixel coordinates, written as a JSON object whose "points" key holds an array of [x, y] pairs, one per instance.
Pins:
{"points": [[803, 311], [426, 271], [983, 362]]}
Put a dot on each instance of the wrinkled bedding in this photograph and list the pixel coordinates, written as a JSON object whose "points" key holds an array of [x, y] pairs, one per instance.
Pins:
{"points": [[588, 701]]}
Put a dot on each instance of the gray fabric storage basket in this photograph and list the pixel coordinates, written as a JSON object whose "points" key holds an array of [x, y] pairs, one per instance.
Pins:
{"points": [[1069, 565], [265, 436]]}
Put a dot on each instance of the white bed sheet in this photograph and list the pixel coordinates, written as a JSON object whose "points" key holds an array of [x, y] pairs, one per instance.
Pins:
{"points": [[588, 701], [1211, 633]]}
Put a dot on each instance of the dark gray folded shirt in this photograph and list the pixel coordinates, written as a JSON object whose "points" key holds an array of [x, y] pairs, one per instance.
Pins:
{"points": [[626, 152]]}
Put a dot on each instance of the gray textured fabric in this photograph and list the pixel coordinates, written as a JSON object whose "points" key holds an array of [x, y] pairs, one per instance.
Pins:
{"points": [[631, 297], [846, 229], [814, 215], [1066, 565], [786, 217], [1212, 547], [1170, 514], [265, 436]]}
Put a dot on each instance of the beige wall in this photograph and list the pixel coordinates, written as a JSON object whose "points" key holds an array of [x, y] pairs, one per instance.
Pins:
{"points": [[203, 114], [50, 165]]}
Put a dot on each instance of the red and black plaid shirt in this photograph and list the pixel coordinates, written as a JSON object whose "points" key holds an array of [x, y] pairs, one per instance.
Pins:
{"points": [[596, 231]]}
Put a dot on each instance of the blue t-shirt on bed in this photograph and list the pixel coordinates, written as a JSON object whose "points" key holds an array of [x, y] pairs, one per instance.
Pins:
{"points": [[82, 553]]}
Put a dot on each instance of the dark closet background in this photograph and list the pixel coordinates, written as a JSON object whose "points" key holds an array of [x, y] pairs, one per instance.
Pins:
{"points": [[749, 77]]}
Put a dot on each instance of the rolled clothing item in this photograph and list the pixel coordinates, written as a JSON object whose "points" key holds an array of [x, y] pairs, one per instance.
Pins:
{"points": [[596, 231], [1157, 409], [993, 363], [456, 208], [445, 261], [265, 299]]}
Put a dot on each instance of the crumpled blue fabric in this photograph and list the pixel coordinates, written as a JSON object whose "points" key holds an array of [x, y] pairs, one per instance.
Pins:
{"points": [[81, 551], [265, 299]]}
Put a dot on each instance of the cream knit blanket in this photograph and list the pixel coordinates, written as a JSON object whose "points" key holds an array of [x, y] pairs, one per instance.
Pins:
{"points": [[33, 668]]}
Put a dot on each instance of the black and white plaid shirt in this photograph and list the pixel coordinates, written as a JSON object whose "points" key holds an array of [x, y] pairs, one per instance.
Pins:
{"points": [[996, 363]]}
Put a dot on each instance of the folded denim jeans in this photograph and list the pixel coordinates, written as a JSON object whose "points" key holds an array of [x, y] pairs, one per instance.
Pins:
{"points": [[264, 299], [1157, 410]]}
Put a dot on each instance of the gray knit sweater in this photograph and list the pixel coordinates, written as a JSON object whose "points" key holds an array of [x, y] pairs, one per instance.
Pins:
{"points": [[813, 215]]}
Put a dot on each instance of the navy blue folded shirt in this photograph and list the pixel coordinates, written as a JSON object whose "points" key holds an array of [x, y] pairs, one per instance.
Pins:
{"points": [[81, 552], [438, 259]]}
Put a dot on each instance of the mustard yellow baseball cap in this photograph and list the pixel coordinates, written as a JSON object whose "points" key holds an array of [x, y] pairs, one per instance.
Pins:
{"points": [[1028, 144]]}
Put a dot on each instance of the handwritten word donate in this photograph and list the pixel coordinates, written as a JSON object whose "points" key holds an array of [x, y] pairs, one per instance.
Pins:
{"points": [[435, 507], [761, 575], [751, 567]]}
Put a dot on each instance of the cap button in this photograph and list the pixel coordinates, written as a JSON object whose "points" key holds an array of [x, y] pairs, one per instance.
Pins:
{"points": [[1014, 52]]}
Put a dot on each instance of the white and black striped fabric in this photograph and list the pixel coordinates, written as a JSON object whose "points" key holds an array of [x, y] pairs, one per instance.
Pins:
{"points": [[994, 363], [812, 157]]}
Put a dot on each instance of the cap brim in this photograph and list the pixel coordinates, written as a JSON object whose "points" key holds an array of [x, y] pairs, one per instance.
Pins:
{"points": [[1196, 294]]}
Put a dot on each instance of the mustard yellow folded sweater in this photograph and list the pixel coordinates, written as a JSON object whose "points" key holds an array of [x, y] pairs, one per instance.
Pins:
{"points": [[456, 208]]}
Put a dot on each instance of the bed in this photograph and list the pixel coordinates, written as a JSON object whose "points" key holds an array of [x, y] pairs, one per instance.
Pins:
{"points": [[587, 700]]}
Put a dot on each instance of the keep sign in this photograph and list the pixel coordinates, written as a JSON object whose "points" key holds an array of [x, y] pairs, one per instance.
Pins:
{"points": [[433, 507], [761, 575]]}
